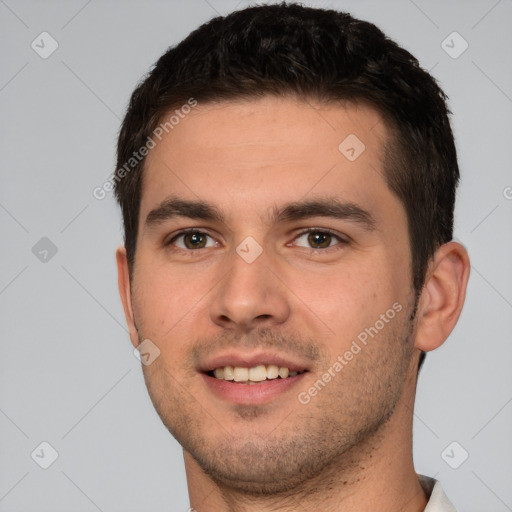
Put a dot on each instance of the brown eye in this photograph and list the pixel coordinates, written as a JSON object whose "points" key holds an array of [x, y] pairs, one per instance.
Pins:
{"points": [[319, 239], [193, 240]]}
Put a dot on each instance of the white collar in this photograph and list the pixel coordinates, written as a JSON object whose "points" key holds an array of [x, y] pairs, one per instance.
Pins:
{"points": [[438, 502]]}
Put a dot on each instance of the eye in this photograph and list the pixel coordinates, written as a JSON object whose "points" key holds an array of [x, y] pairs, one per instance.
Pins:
{"points": [[192, 240], [318, 239]]}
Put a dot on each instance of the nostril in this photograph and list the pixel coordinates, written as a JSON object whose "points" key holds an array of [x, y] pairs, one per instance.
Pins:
{"points": [[263, 317]]}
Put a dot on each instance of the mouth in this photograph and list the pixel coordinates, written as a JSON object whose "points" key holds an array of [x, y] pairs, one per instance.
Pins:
{"points": [[253, 375], [252, 379]]}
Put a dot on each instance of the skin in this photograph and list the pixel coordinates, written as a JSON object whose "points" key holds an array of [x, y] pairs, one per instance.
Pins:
{"points": [[350, 447]]}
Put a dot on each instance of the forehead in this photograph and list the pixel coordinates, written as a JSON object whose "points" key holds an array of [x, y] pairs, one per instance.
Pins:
{"points": [[270, 150]]}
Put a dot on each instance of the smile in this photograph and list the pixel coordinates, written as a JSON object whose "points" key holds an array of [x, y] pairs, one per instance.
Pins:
{"points": [[253, 375]]}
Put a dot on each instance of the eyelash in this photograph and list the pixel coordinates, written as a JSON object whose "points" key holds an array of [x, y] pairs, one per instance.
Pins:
{"points": [[341, 240], [186, 232]]}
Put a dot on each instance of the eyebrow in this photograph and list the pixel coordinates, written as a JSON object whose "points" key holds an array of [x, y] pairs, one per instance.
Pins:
{"points": [[173, 207], [330, 207]]}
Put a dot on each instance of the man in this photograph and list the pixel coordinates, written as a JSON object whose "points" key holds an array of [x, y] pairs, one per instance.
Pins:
{"points": [[287, 181]]}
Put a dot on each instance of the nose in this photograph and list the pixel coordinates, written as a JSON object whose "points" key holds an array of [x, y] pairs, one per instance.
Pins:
{"points": [[250, 295]]}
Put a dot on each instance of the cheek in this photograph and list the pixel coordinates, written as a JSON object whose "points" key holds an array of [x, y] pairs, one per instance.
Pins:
{"points": [[165, 300], [344, 301]]}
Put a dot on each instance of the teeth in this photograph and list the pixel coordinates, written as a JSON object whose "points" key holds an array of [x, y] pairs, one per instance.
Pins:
{"points": [[241, 374], [258, 373], [228, 373], [255, 374], [272, 371]]}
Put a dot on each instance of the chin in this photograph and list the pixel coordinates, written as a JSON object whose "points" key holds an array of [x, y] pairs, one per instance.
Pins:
{"points": [[264, 467]]}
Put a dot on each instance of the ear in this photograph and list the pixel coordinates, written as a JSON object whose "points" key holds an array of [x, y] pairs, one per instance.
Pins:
{"points": [[123, 281], [442, 296]]}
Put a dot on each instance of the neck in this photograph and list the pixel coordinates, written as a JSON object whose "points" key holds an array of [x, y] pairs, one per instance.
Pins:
{"points": [[376, 474]]}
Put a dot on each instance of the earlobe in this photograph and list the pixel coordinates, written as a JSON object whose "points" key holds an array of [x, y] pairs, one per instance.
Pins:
{"points": [[123, 281], [442, 296]]}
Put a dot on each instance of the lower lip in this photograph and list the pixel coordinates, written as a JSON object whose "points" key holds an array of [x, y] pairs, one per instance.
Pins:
{"points": [[251, 394]]}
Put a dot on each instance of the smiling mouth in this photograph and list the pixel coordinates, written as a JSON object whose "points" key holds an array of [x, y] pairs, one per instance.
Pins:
{"points": [[254, 375]]}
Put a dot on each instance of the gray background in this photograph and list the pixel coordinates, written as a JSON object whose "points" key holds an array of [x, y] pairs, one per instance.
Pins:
{"points": [[68, 374]]}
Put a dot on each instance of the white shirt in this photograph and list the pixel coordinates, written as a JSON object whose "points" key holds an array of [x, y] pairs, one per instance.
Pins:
{"points": [[438, 501]]}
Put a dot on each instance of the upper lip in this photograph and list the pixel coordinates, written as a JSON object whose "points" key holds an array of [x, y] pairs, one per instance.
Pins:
{"points": [[250, 360]]}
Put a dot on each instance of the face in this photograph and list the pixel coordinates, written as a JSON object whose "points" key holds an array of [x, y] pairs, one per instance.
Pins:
{"points": [[273, 274]]}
